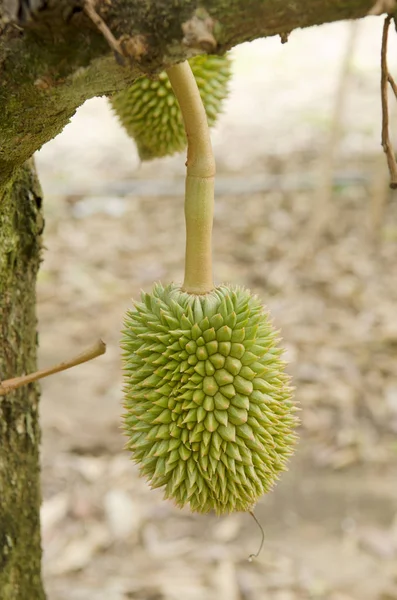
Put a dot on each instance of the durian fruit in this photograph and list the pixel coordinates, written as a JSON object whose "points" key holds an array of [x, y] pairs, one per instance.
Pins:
{"points": [[209, 411], [150, 113]]}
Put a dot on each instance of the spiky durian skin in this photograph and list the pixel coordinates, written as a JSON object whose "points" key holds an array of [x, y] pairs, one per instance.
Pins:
{"points": [[150, 112], [209, 411]]}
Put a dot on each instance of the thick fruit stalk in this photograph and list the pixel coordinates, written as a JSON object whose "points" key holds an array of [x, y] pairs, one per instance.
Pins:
{"points": [[200, 174]]}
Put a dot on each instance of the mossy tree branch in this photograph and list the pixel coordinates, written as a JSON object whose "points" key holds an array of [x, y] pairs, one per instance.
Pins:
{"points": [[54, 57]]}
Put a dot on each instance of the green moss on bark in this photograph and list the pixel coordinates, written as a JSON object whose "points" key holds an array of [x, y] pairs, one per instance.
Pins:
{"points": [[21, 224]]}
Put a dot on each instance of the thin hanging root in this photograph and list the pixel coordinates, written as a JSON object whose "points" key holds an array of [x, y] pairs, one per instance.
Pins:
{"points": [[12, 384], [386, 79], [200, 174], [252, 556]]}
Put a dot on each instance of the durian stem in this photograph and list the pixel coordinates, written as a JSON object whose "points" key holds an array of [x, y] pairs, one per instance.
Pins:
{"points": [[9, 385], [199, 189]]}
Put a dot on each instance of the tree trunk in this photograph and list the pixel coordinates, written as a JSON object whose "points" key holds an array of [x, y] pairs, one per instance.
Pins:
{"points": [[21, 224]]}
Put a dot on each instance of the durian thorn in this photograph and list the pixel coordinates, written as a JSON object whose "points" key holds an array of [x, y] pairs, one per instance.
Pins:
{"points": [[251, 556], [200, 174], [12, 384]]}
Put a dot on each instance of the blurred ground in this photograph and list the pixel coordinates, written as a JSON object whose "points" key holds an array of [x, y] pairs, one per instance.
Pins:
{"points": [[114, 226]]}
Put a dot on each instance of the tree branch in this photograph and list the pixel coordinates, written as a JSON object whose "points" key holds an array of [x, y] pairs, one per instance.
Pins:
{"points": [[53, 57], [16, 382], [385, 79]]}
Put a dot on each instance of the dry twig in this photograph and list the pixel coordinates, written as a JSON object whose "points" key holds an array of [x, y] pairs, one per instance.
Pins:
{"points": [[393, 84], [386, 78], [12, 384], [89, 7]]}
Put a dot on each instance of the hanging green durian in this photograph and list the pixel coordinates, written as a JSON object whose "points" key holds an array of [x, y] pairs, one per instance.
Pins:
{"points": [[209, 412], [150, 113]]}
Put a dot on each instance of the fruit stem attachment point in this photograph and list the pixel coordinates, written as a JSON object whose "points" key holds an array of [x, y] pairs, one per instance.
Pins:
{"points": [[200, 174], [9, 385]]}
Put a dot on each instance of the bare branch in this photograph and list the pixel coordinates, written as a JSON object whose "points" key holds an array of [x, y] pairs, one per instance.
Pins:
{"points": [[12, 384]]}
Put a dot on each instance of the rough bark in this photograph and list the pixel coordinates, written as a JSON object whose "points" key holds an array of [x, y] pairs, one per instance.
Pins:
{"points": [[21, 224], [52, 57]]}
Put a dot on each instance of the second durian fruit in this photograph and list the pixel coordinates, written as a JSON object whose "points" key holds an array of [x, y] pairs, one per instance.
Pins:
{"points": [[150, 113]]}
